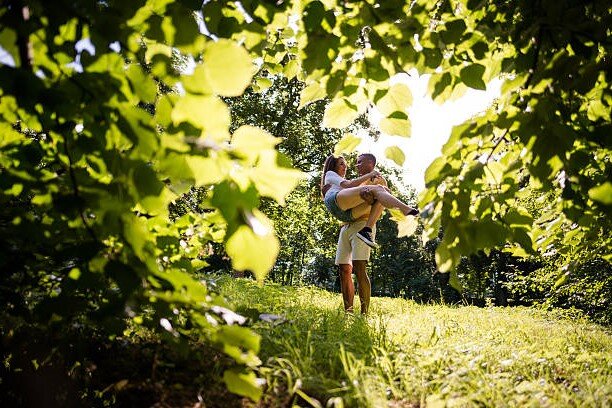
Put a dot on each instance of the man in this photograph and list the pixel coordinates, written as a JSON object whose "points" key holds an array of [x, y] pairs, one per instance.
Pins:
{"points": [[353, 253]]}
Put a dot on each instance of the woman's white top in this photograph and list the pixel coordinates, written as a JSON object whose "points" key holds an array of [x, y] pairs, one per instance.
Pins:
{"points": [[334, 179]]}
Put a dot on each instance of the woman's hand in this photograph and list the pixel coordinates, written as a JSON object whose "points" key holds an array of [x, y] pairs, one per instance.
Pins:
{"points": [[325, 189]]}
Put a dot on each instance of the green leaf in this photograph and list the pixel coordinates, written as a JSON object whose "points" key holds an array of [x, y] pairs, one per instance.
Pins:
{"points": [[597, 110], [207, 170], [262, 83], [252, 252], [274, 181], [291, 69], [439, 86], [313, 16], [454, 282], [446, 258], [8, 42], [397, 99], [197, 83], [136, 233], [339, 114], [347, 144], [433, 171], [9, 135], [214, 123], [142, 85], [602, 193], [243, 384], [396, 154], [311, 93], [250, 141], [471, 75], [228, 67], [163, 109], [240, 337], [406, 225], [395, 126], [453, 31]]}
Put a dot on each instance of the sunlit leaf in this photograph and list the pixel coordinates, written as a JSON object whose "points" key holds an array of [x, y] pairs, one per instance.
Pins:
{"points": [[397, 99], [205, 170], [433, 171], [396, 154], [250, 141], [406, 224], [228, 67], [191, 108], [602, 193], [347, 144], [272, 180], [395, 127], [339, 114], [252, 252], [142, 85], [311, 93], [243, 384], [291, 69], [197, 83]]}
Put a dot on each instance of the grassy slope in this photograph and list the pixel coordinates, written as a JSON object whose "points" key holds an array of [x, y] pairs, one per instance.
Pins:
{"points": [[408, 355]]}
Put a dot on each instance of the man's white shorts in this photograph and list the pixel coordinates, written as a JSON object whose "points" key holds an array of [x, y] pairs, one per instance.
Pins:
{"points": [[351, 248]]}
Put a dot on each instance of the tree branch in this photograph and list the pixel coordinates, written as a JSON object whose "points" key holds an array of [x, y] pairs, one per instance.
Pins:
{"points": [[75, 190], [503, 137]]}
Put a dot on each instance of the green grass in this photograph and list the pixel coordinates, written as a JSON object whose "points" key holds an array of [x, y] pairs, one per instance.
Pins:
{"points": [[409, 355]]}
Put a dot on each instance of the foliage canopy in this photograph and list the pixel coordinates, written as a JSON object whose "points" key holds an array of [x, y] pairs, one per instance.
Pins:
{"points": [[88, 172]]}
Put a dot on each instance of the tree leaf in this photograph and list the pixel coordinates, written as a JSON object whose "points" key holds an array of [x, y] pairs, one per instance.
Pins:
{"points": [[274, 181], [406, 225], [208, 113], [339, 114], [471, 75], [142, 85], [206, 170], [454, 281], [347, 144], [311, 93], [602, 193], [397, 99], [244, 384], [395, 127], [291, 69], [252, 252], [228, 67], [197, 83], [8, 42], [250, 141], [396, 154]]}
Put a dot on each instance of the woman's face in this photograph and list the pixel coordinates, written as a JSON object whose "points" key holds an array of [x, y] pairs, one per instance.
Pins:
{"points": [[341, 166]]}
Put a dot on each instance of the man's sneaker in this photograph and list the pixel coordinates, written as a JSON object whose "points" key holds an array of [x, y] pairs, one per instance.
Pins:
{"points": [[414, 212], [366, 236]]}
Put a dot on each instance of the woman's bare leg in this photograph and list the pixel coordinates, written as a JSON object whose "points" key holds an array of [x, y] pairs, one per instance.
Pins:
{"points": [[352, 197]]}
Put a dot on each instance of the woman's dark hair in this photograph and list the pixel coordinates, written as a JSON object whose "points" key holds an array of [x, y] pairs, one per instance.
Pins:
{"points": [[330, 164]]}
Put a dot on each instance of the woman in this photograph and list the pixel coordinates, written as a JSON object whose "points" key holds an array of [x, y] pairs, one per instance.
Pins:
{"points": [[349, 200]]}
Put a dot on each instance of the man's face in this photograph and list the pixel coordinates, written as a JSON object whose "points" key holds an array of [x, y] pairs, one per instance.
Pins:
{"points": [[364, 165]]}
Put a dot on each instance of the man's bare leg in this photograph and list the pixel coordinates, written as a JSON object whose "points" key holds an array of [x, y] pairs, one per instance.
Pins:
{"points": [[375, 213], [364, 288], [346, 286]]}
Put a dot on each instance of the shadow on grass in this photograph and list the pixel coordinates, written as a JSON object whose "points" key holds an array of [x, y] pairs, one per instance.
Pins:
{"points": [[79, 368]]}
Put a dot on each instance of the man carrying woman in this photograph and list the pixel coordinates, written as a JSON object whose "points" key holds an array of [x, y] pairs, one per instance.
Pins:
{"points": [[353, 254], [350, 200]]}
